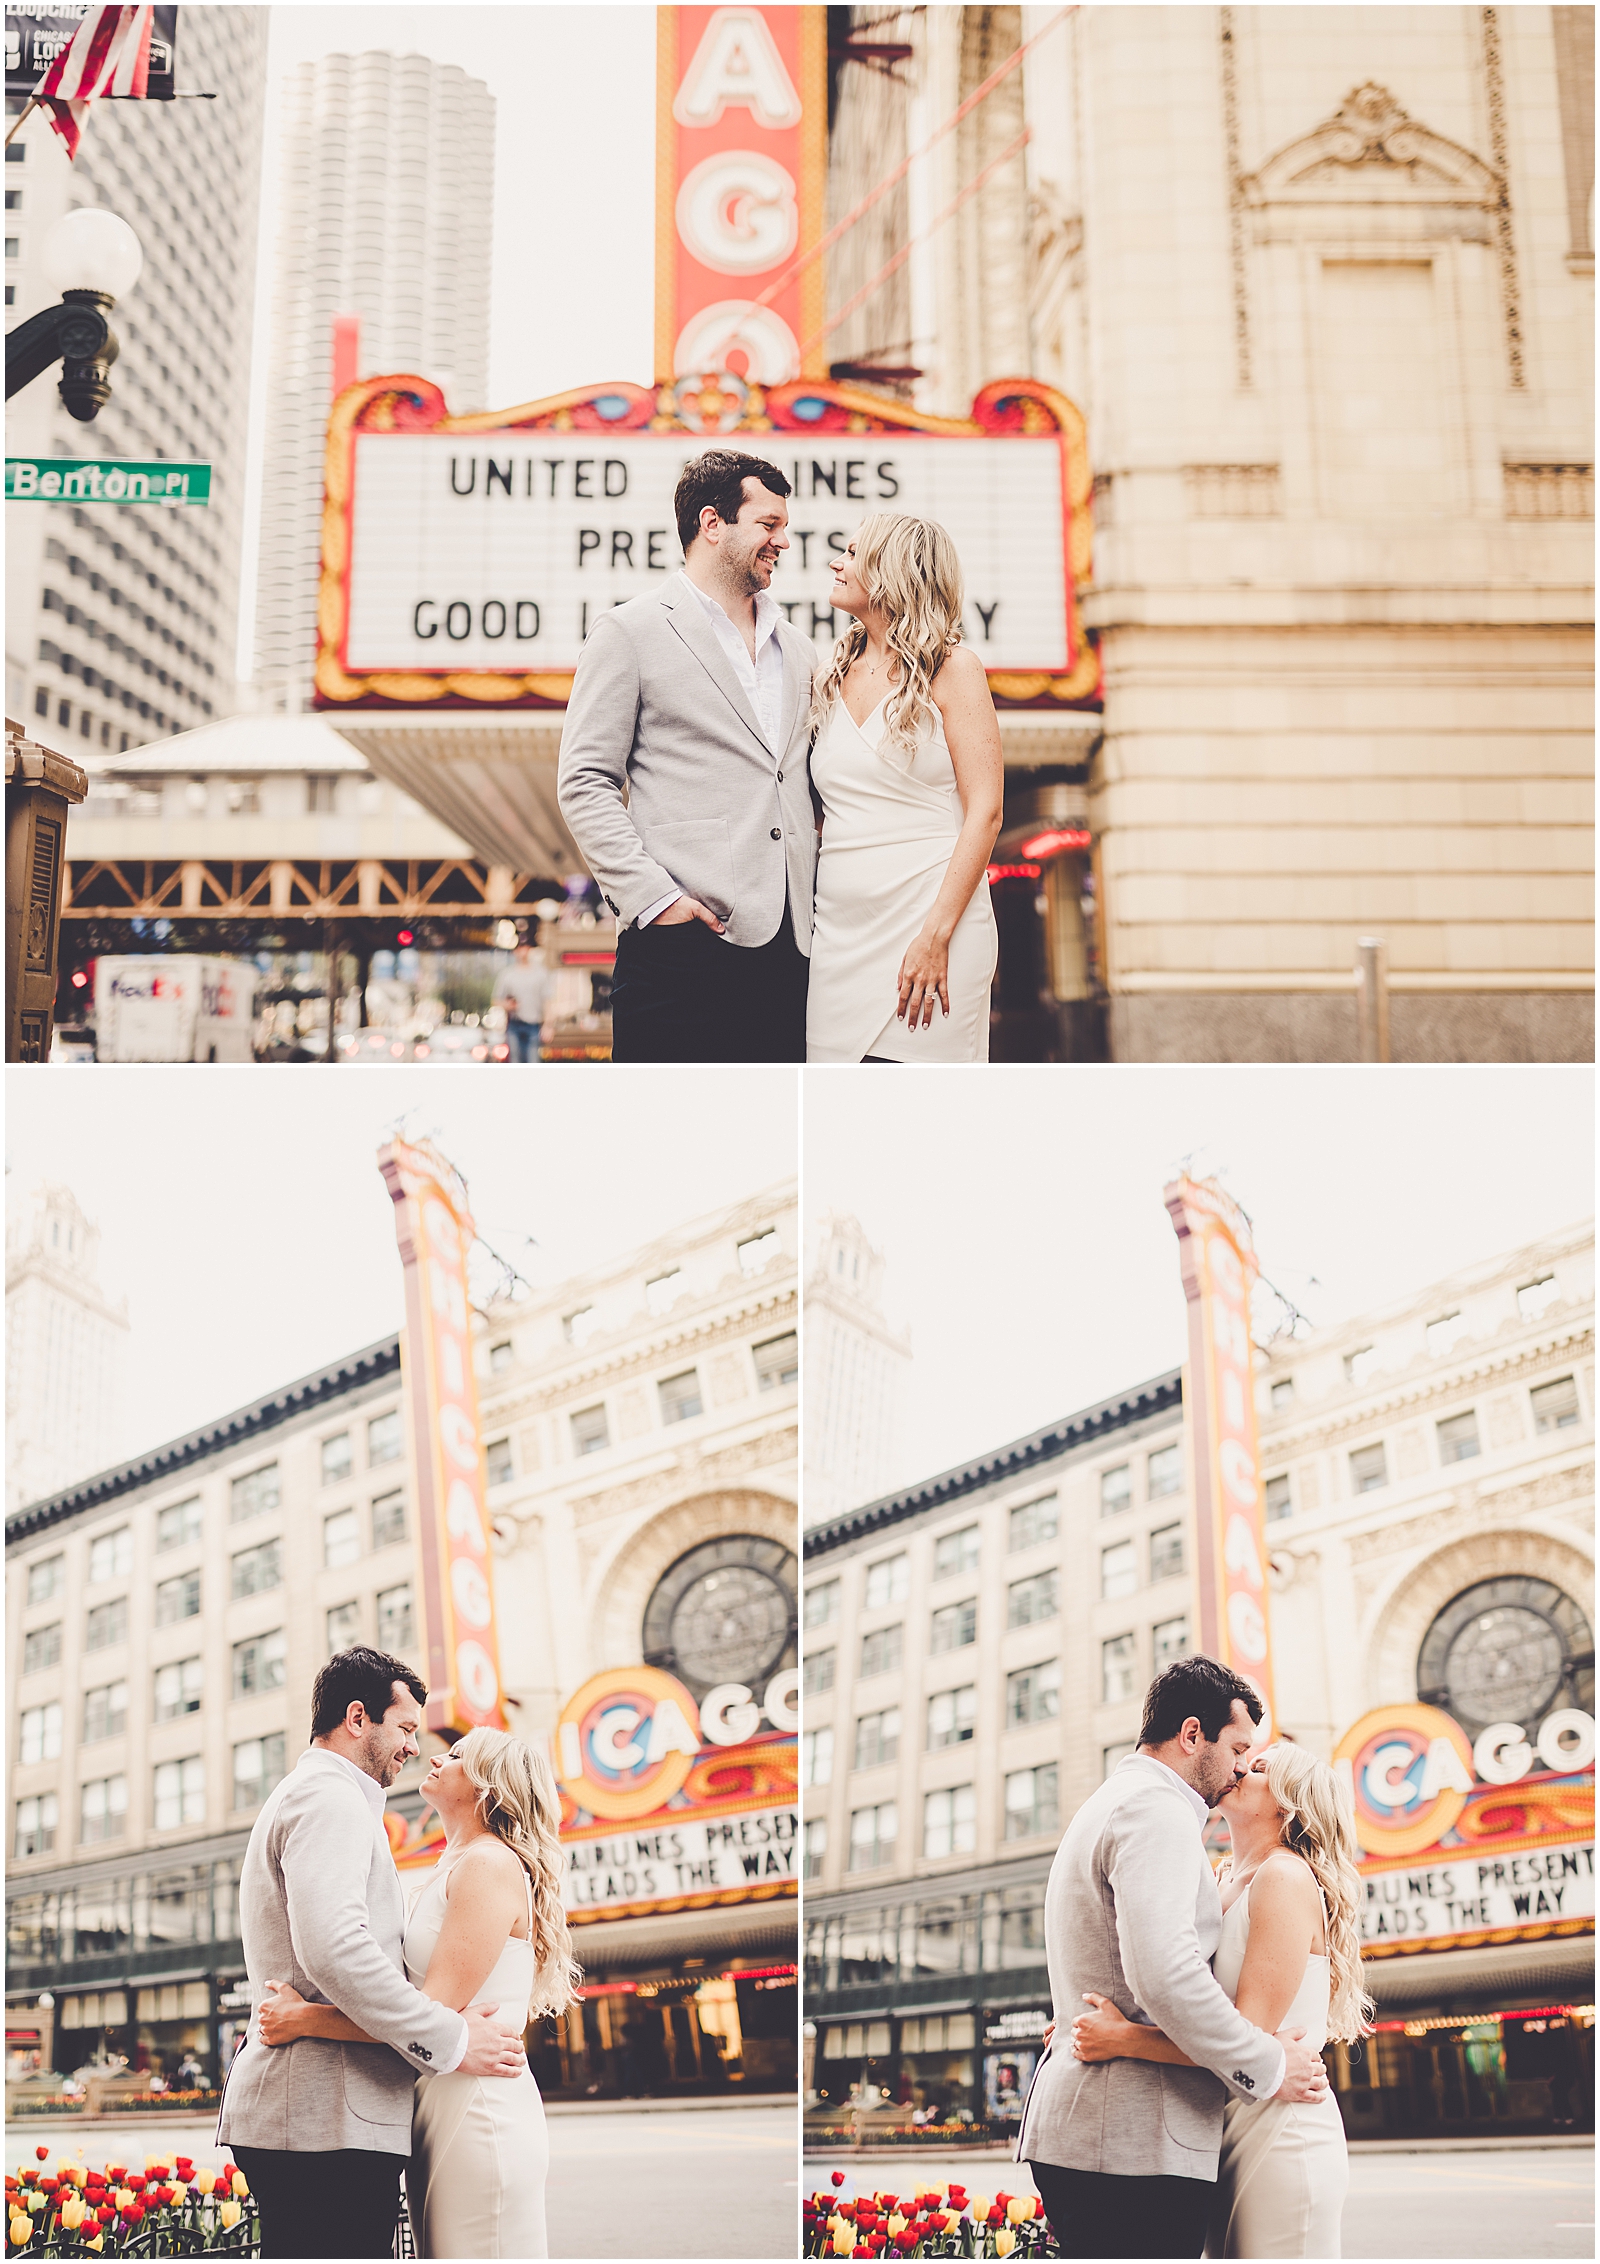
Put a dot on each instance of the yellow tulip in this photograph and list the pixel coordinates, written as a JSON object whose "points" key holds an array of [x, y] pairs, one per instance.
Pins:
{"points": [[1020, 2208], [124, 2197], [241, 2191], [73, 2213], [897, 2226], [230, 2213], [205, 2181], [1005, 2240], [99, 2241], [21, 2230], [980, 2205], [844, 2242], [36, 2202]]}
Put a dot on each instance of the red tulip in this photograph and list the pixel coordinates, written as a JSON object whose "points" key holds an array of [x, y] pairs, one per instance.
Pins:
{"points": [[43, 2152], [106, 2216], [116, 2172], [838, 2177]]}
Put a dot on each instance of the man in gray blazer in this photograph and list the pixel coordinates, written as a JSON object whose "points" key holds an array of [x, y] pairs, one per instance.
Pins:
{"points": [[322, 2130], [684, 779], [1124, 2152]]}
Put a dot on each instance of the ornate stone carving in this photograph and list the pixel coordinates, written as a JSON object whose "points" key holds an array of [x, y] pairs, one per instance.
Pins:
{"points": [[690, 1468], [729, 1379], [1233, 491], [1471, 1509], [1410, 1452], [1549, 491], [1368, 148]]}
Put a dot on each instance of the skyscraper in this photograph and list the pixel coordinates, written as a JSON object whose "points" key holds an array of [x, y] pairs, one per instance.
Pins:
{"points": [[856, 1372], [385, 202], [66, 1343], [122, 622]]}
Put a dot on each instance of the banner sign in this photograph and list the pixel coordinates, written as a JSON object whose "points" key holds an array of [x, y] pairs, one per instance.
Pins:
{"points": [[465, 559], [36, 36], [741, 169], [682, 1859], [436, 1234], [74, 479], [1508, 1898], [1219, 1271]]}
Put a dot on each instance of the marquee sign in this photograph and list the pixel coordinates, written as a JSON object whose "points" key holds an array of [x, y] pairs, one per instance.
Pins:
{"points": [[1219, 1271], [465, 558]]}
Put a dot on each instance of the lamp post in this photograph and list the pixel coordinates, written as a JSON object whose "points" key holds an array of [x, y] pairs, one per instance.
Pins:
{"points": [[93, 259]]}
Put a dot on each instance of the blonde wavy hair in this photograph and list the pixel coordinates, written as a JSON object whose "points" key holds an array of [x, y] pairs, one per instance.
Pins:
{"points": [[1317, 1828], [912, 575], [519, 1803]]}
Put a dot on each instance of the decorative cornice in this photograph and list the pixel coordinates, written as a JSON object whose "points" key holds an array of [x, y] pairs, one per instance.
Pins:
{"points": [[1500, 1366], [624, 1362], [705, 1472], [1370, 150], [1472, 1508]]}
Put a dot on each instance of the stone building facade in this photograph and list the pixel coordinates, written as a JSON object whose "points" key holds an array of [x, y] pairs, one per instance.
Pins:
{"points": [[66, 1347], [857, 1369]]}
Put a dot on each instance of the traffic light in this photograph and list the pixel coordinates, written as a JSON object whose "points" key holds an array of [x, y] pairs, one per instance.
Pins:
{"points": [[404, 939]]}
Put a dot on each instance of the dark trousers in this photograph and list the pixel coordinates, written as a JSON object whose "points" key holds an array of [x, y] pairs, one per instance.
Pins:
{"points": [[343, 2204], [1094, 2214], [684, 993]]}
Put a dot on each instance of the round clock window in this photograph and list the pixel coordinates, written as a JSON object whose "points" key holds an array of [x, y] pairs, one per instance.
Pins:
{"points": [[726, 1612]]}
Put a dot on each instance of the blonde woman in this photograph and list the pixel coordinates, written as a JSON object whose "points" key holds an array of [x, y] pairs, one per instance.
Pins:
{"points": [[907, 769], [1290, 1958], [488, 1927]]}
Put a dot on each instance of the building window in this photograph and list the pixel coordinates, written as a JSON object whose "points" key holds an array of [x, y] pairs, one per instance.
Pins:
{"points": [[1170, 1640], [1119, 1662], [1444, 1334], [336, 1458], [177, 1526], [1282, 1394], [757, 1251], [1029, 1601], [36, 1825], [258, 1664], [1368, 1469], [500, 1357], [578, 1327], [1458, 1437], [679, 1396], [41, 698], [175, 1600], [821, 1602], [41, 1734], [1555, 1406], [816, 1846], [777, 1362], [257, 1767], [590, 1432], [956, 1552], [341, 1539], [41, 1648], [1033, 1694], [1279, 1503], [384, 1443], [1111, 1756], [1514, 1649], [888, 1581], [179, 1794], [662, 1290], [816, 1673], [1164, 1471], [111, 1555], [257, 1570], [950, 1822], [873, 1832], [389, 1520], [105, 1712], [320, 796], [1535, 1298], [1119, 1571], [344, 1627], [878, 1739], [1361, 1364], [816, 1757], [1116, 1489], [954, 1627], [178, 1689], [1031, 1802], [498, 1466], [394, 1618], [102, 1811], [1034, 1521], [1166, 1552], [47, 1577], [952, 1717], [880, 1651], [253, 1494]]}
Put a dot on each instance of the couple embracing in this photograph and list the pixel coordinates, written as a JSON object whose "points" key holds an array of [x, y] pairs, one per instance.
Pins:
{"points": [[383, 2041], [795, 853], [1188, 2109]]}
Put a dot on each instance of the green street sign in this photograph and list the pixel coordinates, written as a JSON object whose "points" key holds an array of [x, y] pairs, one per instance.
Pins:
{"points": [[77, 479]]}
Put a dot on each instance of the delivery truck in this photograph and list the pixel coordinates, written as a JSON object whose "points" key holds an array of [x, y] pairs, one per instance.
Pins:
{"points": [[161, 1007]]}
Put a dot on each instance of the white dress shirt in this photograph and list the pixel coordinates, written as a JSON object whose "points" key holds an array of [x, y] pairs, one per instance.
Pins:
{"points": [[760, 680]]}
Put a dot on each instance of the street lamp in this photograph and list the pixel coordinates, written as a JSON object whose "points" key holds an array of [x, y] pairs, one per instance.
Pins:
{"points": [[93, 259]]}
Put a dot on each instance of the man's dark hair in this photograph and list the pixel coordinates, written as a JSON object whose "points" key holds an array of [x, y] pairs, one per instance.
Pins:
{"points": [[718, 478], [1198, 1686], [364, 1674]]}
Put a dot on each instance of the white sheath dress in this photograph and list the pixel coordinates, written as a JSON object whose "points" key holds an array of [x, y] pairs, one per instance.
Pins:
{"points": [[887, 839]]}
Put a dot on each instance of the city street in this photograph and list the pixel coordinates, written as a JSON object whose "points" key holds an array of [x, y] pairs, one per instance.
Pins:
{"points": [[689, 2179], [1510, 2202]]}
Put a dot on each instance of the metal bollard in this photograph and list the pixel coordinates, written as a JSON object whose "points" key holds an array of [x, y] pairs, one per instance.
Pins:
{"points": [[1372, 998], [41, 786]]}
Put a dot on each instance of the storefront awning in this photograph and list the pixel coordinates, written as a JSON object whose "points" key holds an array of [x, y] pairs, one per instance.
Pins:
{"points": [[490, 778], [1464, 1980], [629, 1945]]}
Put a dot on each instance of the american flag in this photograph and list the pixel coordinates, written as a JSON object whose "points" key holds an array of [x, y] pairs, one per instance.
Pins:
{"points": [[110, 54]]}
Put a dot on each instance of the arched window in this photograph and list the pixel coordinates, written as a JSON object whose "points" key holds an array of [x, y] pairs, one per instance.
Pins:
{"points": [[726, 1612], [1507, 1650]]}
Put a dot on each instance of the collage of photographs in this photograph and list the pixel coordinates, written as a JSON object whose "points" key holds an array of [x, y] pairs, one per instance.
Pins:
{"points": [[702, 1655]]}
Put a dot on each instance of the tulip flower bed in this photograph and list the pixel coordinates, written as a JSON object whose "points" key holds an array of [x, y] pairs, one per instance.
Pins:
{"points": [[168, 2209], [942, 2220]]}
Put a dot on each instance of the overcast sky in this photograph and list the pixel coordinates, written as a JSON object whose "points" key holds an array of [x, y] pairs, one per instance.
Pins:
{"points": [[1021, 1216], [245, 1221]]}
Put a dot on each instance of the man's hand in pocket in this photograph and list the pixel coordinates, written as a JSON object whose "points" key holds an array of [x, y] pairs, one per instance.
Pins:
{"points": [[687, 908]]}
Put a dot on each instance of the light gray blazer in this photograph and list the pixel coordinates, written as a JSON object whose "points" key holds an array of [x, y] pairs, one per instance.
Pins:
{"points": [[667, 783], [320, 1906], [1132, 1911]]}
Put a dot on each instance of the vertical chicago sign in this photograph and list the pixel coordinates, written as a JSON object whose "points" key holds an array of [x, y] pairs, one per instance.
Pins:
{"points": [[436, 1233], [741, 158], [1219, 1271]]}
